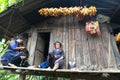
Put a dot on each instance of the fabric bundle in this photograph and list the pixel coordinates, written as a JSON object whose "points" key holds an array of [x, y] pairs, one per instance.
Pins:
{"points": [[93, 27]]}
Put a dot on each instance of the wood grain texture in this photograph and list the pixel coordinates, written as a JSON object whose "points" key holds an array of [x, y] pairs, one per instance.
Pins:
{"points": [[78, 45], [39, 52], [32, 45]]}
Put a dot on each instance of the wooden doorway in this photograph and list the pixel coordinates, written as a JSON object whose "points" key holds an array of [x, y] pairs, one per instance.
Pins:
{"points": [[42, 47]]}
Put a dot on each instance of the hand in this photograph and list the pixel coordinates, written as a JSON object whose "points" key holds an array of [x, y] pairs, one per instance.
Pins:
{"points": [[22, 48], [55, 56], [23, 57], [56, 61]]}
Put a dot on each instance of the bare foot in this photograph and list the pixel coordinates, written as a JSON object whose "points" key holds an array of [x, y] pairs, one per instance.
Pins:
{"points": [[32, 66], [11, 65]]}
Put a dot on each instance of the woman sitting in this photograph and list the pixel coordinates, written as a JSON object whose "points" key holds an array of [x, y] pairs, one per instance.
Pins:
{"points": [[56, 57], [12, 51]]}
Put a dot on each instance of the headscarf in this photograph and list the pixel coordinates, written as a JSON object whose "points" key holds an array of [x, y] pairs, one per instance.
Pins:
{"points": [[59, 43]]}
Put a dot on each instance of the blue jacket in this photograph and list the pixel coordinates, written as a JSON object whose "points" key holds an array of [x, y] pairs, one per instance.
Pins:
{"points": [[10, 52]]}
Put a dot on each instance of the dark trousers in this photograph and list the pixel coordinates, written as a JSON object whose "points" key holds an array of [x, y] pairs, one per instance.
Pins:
{"points": [[19, 62]]}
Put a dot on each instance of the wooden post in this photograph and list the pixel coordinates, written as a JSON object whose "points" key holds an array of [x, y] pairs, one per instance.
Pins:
{"points": [[22, 76], [39, 56], [115, 50], [31, 46]]}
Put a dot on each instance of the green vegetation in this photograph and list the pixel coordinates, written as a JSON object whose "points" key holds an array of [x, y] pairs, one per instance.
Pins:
{"points": [[5, 4], [44, 78], [6, 75]]}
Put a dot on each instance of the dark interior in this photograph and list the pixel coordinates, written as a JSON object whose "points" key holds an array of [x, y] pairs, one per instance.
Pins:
{"points": [[116, 31], [46, 37]]}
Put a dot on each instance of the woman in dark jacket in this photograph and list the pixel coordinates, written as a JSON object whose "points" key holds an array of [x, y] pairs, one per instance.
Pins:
{"points": [[21, 59], [56, 57]]}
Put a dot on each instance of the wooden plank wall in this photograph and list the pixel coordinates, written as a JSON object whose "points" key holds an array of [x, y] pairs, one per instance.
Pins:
{"points": [[39, 56], [78, 45], [31, 46]]}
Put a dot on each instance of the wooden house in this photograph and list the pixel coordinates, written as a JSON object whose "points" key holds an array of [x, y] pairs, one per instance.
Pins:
{"points": [[79, 46]]}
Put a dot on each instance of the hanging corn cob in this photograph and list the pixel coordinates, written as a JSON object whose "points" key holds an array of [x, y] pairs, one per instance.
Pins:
{"points": [[78, 11], [92, 10], [117, 38], [85, 11]]}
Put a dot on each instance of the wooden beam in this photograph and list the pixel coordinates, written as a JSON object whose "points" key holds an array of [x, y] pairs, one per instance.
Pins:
{"points": [[31, 45], [116, 9], [32, 5], [23, 22], [115, 71], [22, 18], [5, 30], [110, 1], [66, 73], [115, 50], [6, 12], [22, 76], [114, 46], [98, 3]]}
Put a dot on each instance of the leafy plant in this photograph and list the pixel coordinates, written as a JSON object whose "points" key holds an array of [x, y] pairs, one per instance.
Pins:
{"points": [[44, 78], [5, 4], [5, 75]]}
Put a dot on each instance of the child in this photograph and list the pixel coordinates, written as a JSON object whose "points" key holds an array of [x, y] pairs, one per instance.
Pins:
{"points": [[21, 59]]}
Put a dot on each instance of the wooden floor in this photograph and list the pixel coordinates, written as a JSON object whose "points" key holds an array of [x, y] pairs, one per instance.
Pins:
{"points": [[79, 46], [66, 73]]}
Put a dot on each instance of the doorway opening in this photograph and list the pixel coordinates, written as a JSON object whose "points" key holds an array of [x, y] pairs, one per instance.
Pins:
{"points": [[42, 47]]}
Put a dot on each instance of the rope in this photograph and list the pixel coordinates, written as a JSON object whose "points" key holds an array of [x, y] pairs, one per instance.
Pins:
{"points": [[80, 2]]}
